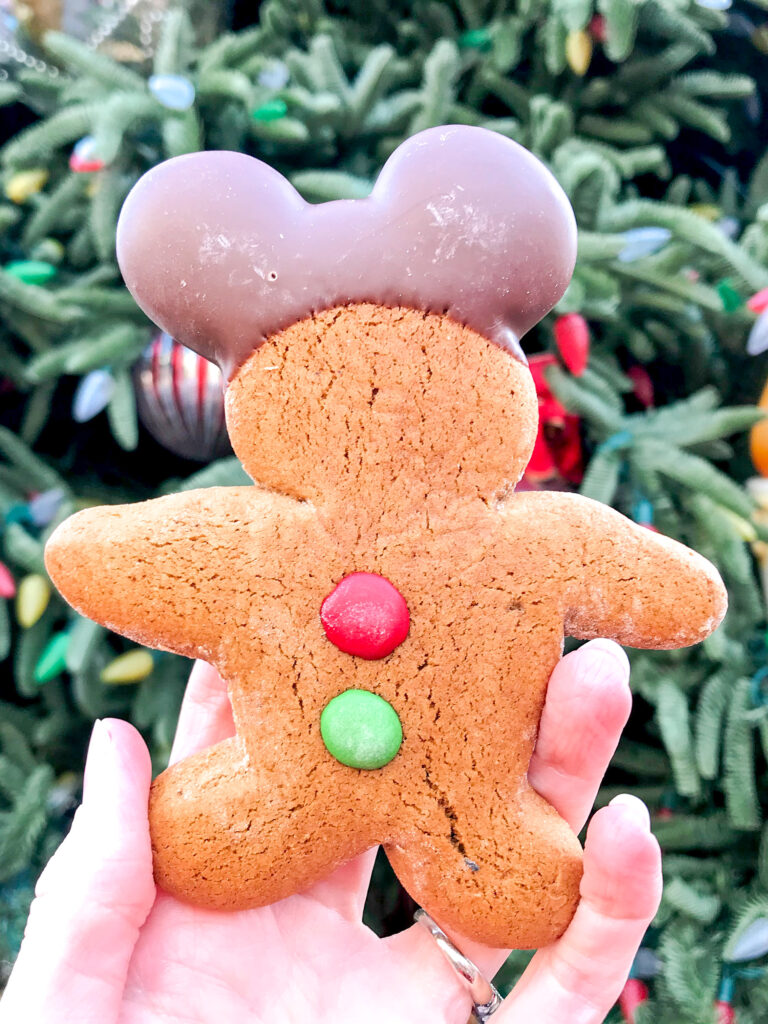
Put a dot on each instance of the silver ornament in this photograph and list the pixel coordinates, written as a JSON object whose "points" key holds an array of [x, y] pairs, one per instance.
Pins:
{"points": [[752, 943], [180, 398]]}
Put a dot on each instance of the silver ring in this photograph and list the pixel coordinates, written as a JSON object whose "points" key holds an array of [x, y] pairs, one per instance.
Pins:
{"points": [[485, 996]]}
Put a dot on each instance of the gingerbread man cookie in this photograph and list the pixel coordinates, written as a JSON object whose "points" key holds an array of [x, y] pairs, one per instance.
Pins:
{"points": [[385, 609]]}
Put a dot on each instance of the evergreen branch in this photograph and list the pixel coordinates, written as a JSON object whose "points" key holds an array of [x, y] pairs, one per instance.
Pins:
{"points": [[686, 225], [690, 291], [696, 115], [674, 725], [595, 246], [10, 92], [585, 403], [81, 250], [322, 186], [441, 69], [325, 67], [550, 39], [739, 782], [22, 827], [551, 123], [222, 82], [5, 631], [231, 48], [82, 59], [646, 74], [121, 412], [695, 473], [286, 131], [105, 209], [46, 217], [679, 423], [37, 412], [371, 81], [172, 50], [690, 973], [667, 21], [222, 473], [602, 477], [39, 474], [695, 832], [182, 134], [714, 85], [393, 113], [104, 302], [621, 130], [23, 549], [27, 653], [688, 899], [756, 906], [16, 747], [118, 344], [35, 300], [621, 17], [121, 113], [84, 640], [40, 140], [710, 716], [12, 779], [660, 121]]}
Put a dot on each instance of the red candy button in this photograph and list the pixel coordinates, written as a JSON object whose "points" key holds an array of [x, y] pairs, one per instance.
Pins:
{"points": [[365, 615]]}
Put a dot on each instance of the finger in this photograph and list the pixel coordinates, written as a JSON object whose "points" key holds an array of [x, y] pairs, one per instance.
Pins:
{"points": [[588, 704], [206, 713], [93, 896], [580, 976]]}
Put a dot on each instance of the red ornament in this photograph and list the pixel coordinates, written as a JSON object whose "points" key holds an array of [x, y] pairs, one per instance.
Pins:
{"points": [[7, 582], [726, 1012], [634, 994], [365, 615], [642, 386], [557, 451], [572, 340], [598, 28], [758, 303]]}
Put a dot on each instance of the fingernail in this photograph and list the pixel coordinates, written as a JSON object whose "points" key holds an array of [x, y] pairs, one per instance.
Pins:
{"points": [[633, 808], [98, 775], [606, 658]]}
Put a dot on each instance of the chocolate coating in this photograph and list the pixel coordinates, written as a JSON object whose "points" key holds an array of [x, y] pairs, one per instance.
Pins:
{"points": [[222, 252]]}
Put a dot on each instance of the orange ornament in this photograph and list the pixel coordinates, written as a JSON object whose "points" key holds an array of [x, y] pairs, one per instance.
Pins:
{"points": [[758, 438]]}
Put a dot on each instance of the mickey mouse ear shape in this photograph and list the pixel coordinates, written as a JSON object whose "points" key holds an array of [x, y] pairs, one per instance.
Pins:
{"points": [[221, 252]]}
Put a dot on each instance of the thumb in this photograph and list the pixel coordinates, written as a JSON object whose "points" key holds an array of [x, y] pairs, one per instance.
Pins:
{"points": [[93, 896]]}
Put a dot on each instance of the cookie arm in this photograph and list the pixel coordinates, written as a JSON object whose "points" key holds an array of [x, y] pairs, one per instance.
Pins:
{"points": [[621, 580], [159, 571]]}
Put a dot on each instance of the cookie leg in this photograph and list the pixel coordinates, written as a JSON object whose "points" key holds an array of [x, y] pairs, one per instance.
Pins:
{"points": [[229, 835], [504, 873]]}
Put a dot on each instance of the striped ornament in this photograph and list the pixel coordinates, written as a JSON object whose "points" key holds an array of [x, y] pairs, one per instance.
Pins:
{"points": [[180, 398]]}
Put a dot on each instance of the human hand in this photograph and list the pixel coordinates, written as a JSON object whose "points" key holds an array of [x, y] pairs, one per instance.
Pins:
{"points": [[104, 946]]}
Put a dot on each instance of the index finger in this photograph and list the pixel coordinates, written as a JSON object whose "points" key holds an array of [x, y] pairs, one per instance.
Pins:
{"points": [[206, 713]]}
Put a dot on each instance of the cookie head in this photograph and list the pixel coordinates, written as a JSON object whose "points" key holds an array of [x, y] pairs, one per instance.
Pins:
{"points": [[390, 403], [463, 225]]}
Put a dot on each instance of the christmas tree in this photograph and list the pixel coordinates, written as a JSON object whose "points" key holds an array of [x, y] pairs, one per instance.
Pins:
{"points": [[643, 110]]}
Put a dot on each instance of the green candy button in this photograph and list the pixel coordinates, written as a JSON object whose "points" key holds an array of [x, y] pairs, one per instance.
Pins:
{"points": [[361, 729]]}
